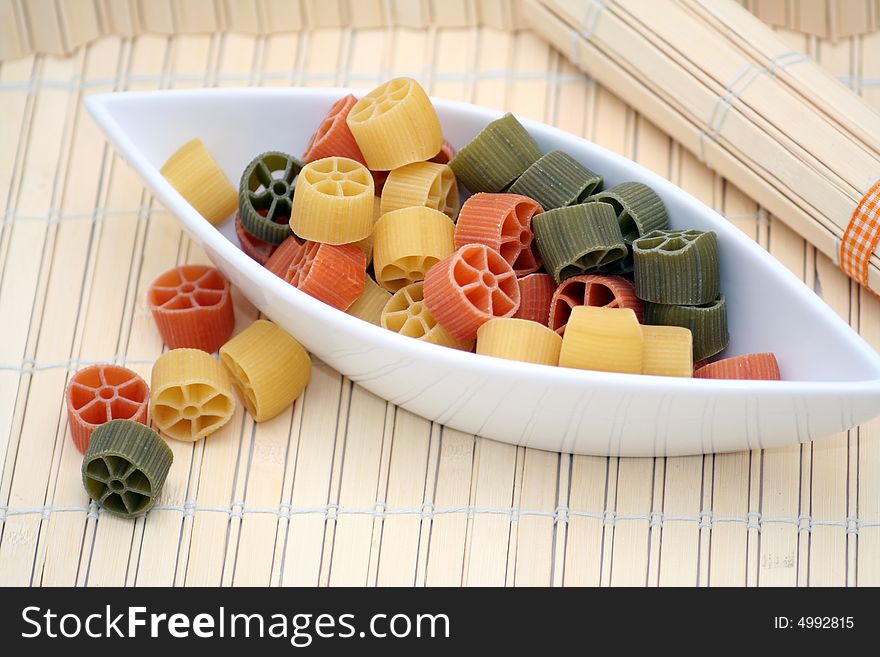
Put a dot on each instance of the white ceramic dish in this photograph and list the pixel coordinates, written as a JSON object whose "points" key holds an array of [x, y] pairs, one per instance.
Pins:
{"points": [[832, 375]]}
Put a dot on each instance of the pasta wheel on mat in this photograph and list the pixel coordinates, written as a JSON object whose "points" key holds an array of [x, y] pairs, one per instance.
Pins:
{"points": [[421, 183], [192, 306], [578, 239], [265, 195], [407, 314], [269, 368], [519, 339], [592, 290], [468, 288], [256, 248], [535, 294], [333, 136], [603, 339], [395, 124], [331, 273], [708, 323], [668, 351], [369, 305], [100, 393], [755, 367], [333, 201], [194, 173], [191, 395], [503, 222], [496, 157], [407, 243], [125, 467], [556, 180], [677, 267], [279, 262]]}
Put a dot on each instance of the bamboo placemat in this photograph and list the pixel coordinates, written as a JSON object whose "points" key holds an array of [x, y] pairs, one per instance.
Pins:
{"points": [[346, 489]]}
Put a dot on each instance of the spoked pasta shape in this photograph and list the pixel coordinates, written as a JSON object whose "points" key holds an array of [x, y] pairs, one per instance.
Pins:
{"points": [[421, 183], [333, 202], [333, 136], [334, 274], [407, 314], [677, 267], [266, 195], [407, 243], [191, 395], [592, 290], [535, 294]]}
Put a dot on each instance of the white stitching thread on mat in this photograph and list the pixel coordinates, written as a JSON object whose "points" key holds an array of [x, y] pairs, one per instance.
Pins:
{"points": [[562, 514]]}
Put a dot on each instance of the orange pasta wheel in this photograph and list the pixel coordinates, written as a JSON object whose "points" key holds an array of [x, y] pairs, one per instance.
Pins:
{"points": [[279, 262], [407, 243], [470, 287], [192, 306], [421, 183], [333, 136], [592, 290], [396, 124], [447, 152], [407, 314], [519, 339], [331, 273], [100, 393], [333, 201], [763, 367], [535, 293], [503, 222], [255, 247]]}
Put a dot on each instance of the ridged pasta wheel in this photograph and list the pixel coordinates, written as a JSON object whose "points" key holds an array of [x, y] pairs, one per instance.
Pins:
{"points": [[603, 339], [369, 305], [265, 195], [279, 262], [707, 323], [409, 242], [191, 395], [407, 314], [592, 290], [194, 173], [331, 273], [668, 351], [100, 393], [497, 156], [535, 294], [269, 368], [333, 201], [125, 467], [254, 247], [192, 306], [421, 183], [677, 267], [446, 154], [396, 124], [755, 367], [470, 287], [519, 339], [366, 244], [333, 136], [638, 208], [556, 180], [503, 222]]}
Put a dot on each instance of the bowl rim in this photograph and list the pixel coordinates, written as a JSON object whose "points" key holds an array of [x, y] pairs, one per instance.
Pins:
{"points": [[100, 106]]}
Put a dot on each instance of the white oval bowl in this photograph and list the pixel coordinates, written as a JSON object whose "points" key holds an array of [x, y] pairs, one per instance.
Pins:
{"points": [[832, 376]]}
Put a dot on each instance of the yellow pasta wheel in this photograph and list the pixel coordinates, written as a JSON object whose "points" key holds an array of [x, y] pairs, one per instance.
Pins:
{"points": [[269, 368], [407, 243], [366, 244], [194, 173], [190, 395], [368, 306], [395, 124], [333, 201], [519, 339], [407, 314], [604, 339], [668, 351], [421, 183]]}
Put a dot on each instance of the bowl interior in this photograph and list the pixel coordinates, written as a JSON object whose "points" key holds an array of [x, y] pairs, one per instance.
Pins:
{"points": [[769, 309]]}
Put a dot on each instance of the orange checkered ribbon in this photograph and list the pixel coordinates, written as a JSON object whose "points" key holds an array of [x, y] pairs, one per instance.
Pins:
{"points": [[861, 236]]}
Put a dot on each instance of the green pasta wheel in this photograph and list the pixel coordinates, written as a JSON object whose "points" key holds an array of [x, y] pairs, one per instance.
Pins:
{"points": [[708, 324], [677, 267], [496, 157], [266, 194], [578, 239], [125, 467], [556, 180], [639, 210]]}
